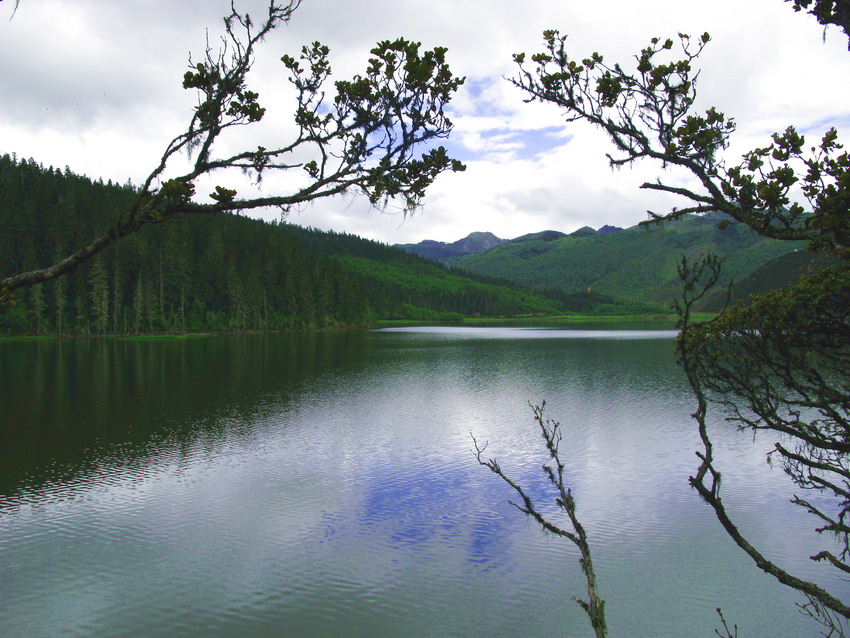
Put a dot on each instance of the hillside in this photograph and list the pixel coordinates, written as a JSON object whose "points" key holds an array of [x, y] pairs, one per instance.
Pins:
{"points": [[213, 273], [234, 273], [636, 264], [406, 280], [776, 273], [193, 274]]}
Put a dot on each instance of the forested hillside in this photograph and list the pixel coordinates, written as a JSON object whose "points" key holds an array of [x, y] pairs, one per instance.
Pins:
{"points": [[221, 272], [637, 264], [198, 273], [410, 280]]}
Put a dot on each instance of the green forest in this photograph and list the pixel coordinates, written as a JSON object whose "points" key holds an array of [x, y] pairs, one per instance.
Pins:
{"points": [[226, 272], [220, 272], [640, 263]]}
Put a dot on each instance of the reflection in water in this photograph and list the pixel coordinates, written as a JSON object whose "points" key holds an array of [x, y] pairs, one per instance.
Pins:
{"points": [[70, 401], [323, 484]]}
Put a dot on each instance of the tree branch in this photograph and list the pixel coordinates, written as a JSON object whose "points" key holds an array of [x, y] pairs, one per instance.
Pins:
{"points": [[594, 607], [354, 141]]}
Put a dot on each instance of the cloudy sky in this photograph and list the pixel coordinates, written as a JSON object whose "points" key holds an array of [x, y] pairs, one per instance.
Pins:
{"points": [[95, 85]]}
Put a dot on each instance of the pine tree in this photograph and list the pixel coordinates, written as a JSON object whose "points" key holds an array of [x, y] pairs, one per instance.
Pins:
{"points": [[139, 305], [38, 305], [82, 323], [117, 299], [60, 300], [100, 296]]}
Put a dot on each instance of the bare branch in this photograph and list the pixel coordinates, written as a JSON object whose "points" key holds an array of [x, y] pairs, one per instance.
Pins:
{"points": [[727, 633], [594, 607]]}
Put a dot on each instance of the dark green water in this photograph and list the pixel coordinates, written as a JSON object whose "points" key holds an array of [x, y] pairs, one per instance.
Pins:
{"points": [[323, 484]]}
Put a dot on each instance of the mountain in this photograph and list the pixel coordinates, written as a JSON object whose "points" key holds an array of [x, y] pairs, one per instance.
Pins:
{"points": [[606, 229], [637, 264], [228, 272], [438, 250], [478, 242]]}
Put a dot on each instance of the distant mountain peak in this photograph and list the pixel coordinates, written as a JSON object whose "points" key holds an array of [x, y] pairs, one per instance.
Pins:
{"points": [[476, 241], [587, 231], [472, 243], [606, 229], [480, 241], [544, 235], [584, 231]]}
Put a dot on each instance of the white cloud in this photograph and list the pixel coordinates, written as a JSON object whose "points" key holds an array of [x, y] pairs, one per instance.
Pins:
{"points": [[96, 86]]}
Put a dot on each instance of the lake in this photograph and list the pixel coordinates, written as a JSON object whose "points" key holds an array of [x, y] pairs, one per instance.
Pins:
{"points": [[324, 484]]}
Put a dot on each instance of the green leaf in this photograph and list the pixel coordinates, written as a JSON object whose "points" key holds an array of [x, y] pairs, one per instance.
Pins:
{"points": [[223, 195]]}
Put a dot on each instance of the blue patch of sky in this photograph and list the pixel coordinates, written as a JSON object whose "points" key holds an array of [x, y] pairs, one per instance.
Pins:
{"points": [[521, 144], [841, 122], [459, 151], [540, 141], [476, 88]]}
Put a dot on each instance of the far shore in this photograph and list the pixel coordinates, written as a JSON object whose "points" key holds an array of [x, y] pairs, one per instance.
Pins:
{"points": [[538, 320]]}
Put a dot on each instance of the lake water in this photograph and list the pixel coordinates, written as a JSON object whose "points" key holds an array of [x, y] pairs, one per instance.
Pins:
{"points": [[324, 485]]}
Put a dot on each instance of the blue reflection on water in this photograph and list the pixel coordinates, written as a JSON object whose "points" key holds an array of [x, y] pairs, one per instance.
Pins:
{"points": [[425, 506]]}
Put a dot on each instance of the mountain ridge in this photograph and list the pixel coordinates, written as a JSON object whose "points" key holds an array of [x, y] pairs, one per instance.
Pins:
{"points": [[479, 241], [439, 250], [637, 264]]}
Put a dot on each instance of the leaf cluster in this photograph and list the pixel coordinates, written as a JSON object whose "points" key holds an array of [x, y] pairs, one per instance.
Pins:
{"points": [[376, 120], [827, 13], [375, 135], [647, 113]]}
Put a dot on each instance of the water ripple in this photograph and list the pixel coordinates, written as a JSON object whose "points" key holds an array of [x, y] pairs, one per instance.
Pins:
{"points": [[352, 505]]}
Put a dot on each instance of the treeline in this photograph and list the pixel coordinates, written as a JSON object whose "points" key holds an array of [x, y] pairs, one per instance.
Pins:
{"points": [[210, 273], [222, 272]]}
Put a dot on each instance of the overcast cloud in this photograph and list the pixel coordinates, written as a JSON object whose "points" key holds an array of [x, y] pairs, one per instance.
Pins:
{"points": [[95, 85]]}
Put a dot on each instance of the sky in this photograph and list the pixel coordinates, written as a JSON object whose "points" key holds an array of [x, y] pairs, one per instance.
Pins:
{"points": [[95, 85]]}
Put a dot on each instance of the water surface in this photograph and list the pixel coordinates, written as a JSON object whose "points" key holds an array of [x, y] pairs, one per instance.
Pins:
{"points": [[324, 484]]}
